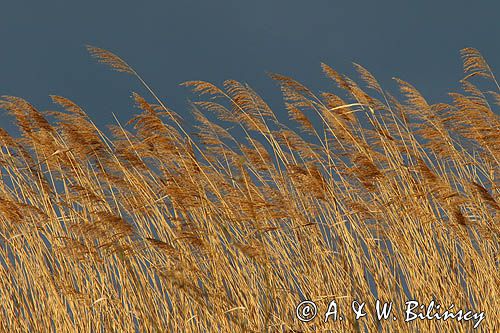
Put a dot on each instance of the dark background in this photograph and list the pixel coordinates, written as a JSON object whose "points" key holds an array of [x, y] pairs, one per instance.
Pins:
{"points": [[169, 42]]}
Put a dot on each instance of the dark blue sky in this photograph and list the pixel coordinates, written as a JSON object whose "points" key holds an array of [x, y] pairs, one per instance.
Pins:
{"points": [[169, 42]]}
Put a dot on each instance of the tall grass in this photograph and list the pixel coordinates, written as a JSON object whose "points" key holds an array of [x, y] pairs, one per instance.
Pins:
{"points": [[150, 227]]}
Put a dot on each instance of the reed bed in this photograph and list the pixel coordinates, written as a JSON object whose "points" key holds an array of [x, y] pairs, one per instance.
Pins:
{"points": [[225, 225]]}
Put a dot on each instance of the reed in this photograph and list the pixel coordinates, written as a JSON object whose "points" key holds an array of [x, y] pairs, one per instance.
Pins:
{"points": [[226, 225]]}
